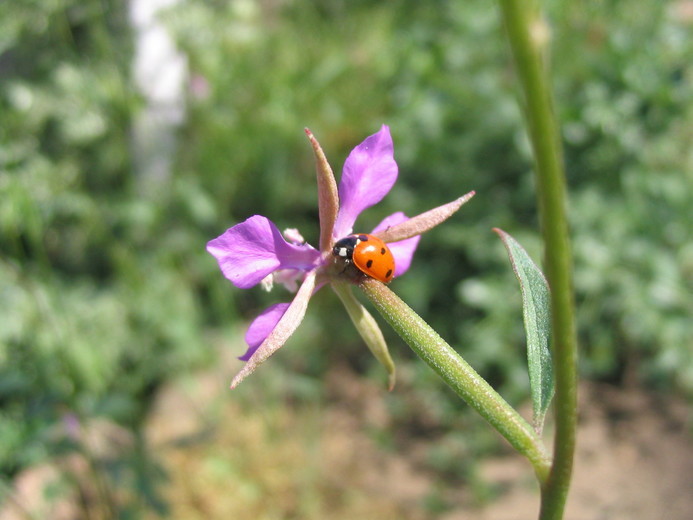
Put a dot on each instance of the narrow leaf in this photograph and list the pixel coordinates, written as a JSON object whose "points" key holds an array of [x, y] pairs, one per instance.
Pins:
{"points": [[536, 310]]}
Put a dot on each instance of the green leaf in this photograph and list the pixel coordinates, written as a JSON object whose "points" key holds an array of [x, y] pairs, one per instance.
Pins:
{"points": [[536, 310]]}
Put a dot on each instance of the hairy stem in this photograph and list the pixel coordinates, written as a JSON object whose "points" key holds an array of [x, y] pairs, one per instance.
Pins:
{"points": [[458, 374]]}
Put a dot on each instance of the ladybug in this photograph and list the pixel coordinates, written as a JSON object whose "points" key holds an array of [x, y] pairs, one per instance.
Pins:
{"points": [[369, 254]]}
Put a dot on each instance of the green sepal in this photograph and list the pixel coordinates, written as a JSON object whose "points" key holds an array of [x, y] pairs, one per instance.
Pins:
{"points": [[368, 329]]}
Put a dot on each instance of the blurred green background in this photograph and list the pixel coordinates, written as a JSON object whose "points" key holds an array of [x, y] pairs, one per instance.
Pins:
{"points": [[108, 195]]}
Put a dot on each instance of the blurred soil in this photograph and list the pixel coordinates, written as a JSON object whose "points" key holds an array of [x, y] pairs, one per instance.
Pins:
{"points": [[634, 461], [227, 460]]}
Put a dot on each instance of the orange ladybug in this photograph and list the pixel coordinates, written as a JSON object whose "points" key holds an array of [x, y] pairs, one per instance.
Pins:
{"points": [[369, 254]]}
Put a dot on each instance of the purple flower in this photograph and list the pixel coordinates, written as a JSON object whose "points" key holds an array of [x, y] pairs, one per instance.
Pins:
{"points": [[255, 251]]}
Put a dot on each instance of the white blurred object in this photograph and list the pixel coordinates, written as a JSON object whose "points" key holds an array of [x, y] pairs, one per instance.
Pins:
{"points": [[160, 72]]}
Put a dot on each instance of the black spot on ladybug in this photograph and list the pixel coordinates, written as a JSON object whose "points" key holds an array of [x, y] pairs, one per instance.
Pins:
{"points": [[382, 250], [363, 238], [369, 264], [389, 273]]}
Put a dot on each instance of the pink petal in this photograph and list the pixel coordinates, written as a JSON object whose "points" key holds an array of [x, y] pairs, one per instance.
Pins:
{"points": [[261, 327], [403, 251], [251, 250], [368, 175], [283, 330]]}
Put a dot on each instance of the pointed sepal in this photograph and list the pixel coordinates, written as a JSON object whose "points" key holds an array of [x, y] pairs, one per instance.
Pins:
{"points": [[285, 327], [368, 329], [328, 200], [423, 222]]}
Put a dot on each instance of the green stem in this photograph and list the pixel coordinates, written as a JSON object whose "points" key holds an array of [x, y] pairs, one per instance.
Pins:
{"points": [[457, 373], [528, 35]]}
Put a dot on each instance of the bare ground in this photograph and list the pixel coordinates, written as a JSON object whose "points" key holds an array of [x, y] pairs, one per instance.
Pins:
{"points": [[634, 461], [227, 461]]}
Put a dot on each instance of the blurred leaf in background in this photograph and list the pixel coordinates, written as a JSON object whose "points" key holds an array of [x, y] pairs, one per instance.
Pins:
{"points": [[99, 289]]}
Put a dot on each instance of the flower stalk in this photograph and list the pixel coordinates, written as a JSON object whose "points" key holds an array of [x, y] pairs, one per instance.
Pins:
{"points": [[528, 36], [458, 374]]}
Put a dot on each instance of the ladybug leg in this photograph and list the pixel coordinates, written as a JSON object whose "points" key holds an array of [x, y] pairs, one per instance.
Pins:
{"points": [[346, 265]]}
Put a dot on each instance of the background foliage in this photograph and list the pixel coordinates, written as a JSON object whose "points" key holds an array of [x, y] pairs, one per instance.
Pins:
{"points": [[106, 291]]}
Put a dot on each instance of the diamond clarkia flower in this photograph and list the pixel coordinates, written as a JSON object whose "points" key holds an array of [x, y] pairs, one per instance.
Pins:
{"points": [[256, 252]]}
